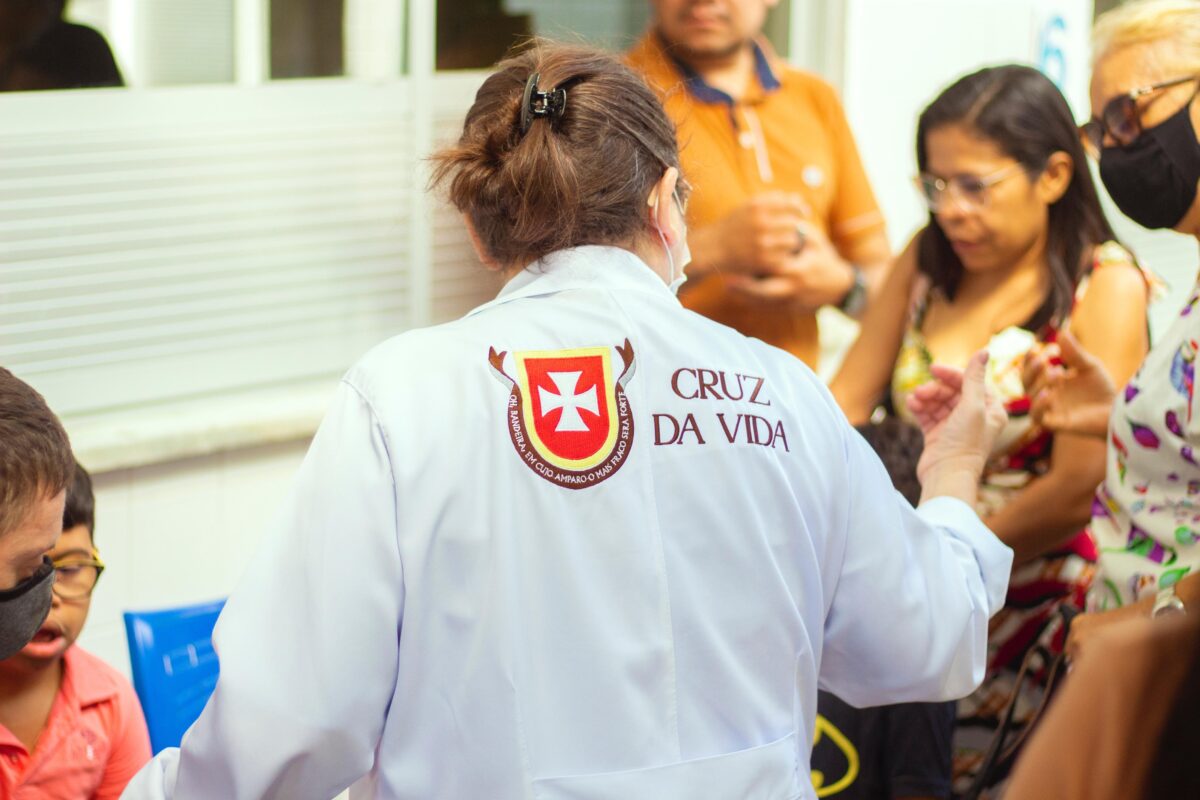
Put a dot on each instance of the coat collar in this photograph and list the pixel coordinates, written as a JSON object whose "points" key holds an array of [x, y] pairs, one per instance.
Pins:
{"points": [[586, 267]]}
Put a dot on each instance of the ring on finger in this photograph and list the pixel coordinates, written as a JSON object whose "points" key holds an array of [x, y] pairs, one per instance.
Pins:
{"points": [[801, 240]]}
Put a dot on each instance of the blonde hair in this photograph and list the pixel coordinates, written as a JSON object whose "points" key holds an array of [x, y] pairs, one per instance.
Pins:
{"points": [[1173, 24]]}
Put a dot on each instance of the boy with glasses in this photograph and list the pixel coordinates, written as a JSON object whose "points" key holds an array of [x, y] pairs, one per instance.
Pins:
{"points": [[35, 467], [70, 725]]}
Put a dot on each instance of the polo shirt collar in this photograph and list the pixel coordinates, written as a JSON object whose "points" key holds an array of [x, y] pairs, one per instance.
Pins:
{"points": [[83, 685], [9, 740], [710, 94], [88, 685]]}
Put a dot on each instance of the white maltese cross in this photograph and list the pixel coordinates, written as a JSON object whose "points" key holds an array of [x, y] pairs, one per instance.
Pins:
{"points": [[570, 402]]}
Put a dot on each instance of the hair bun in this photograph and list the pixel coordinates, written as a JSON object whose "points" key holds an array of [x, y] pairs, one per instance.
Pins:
{"points": [[529, 189]]}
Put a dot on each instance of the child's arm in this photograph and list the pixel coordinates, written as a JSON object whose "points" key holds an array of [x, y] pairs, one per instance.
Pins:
{"points": [[130, 746]]}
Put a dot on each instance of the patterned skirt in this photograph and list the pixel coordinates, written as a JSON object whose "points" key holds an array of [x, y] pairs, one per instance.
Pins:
{"points": [[1036, 593]]}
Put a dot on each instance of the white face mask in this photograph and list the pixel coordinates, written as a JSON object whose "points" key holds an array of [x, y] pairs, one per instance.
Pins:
{"points": [[685, 256]]}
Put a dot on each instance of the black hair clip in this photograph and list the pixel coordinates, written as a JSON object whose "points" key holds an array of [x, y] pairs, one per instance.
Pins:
{"points": [[536, 103]]}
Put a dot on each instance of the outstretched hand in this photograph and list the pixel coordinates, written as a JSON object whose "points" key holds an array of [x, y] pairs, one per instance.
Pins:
{"points": [[959, 417], [1071, 390]]}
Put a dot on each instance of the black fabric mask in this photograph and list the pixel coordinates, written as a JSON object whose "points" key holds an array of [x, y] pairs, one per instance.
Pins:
{"points": [[1153, 181], [24, 608]]}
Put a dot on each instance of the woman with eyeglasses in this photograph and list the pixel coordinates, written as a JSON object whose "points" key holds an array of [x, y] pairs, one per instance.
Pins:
{"points": [[1017, 249], [1127, 724]]}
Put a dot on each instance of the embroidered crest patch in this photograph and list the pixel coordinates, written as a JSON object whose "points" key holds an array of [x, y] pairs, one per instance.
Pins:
{"points": [[568, 417]]}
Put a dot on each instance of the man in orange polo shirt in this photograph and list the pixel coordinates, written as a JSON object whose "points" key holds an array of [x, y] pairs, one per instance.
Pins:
{"points": [[783, 219]]}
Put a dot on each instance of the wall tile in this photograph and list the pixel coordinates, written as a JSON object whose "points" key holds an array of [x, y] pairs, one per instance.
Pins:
{"points": [[180, 532]]}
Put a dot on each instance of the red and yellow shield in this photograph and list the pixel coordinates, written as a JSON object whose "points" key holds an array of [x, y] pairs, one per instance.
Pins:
{"points": [[568, 415], [568, 404]]}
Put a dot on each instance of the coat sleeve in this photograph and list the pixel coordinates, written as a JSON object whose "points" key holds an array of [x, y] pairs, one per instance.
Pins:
{"points": [[308, 642], [914, 591]]}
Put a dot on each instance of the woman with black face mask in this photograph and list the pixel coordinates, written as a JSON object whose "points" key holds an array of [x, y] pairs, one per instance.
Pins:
{"points": [[1144, 129], [1128, 723]]}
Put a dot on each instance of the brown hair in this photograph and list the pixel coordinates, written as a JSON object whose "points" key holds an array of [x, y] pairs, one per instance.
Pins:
{"points": [[578, 179], [35, 454], [80, 508], [1024, 114], [899, 445]]}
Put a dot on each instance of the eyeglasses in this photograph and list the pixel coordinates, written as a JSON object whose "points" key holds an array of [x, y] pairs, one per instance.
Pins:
{"points": [[679, 204], [1121, 118], [75, 577], [970, 191]]}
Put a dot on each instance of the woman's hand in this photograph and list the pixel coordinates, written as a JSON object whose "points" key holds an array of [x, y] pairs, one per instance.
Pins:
{"points": [[1084, 626], [1071, 390], [960, 420]]}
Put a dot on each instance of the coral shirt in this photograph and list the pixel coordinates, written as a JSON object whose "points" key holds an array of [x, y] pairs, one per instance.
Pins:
{"points": [[94, 741], [788, 133]]}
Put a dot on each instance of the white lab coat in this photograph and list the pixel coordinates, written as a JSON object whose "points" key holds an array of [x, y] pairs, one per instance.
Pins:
{"points": [[433, 618]]}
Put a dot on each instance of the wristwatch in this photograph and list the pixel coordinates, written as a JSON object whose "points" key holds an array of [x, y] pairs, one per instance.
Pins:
{"points": [[856, 298], [1167, 603]]}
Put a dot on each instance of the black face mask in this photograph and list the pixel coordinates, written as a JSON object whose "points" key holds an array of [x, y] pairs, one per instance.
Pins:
{"points": [[24, 608], [1153, 181]]}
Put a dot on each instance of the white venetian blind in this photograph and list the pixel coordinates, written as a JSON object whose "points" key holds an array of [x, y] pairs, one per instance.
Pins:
{"points": [[182, 42], [175, 243], [459, 281]]}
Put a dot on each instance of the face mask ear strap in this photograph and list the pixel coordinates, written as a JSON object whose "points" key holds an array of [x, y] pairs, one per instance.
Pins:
{"points": [[44, 569], [662, 237], [678, 202]]}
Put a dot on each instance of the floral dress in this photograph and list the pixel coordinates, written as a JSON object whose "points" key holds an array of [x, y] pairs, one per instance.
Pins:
{"points": [[1041, 586], [1146, 515]]}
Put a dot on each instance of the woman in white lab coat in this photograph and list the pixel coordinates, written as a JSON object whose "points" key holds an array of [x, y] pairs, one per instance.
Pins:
{"points": [[583, 543]]}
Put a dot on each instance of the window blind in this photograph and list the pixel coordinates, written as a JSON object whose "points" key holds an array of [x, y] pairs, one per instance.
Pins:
{"points": [[459, 281], [175, 243]]}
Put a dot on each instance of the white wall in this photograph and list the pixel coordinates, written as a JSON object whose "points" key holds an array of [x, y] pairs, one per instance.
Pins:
{"points": [[180, 532], [892, 57], [897, 56]]}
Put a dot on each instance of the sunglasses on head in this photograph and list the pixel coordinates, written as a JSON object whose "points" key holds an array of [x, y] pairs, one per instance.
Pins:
{"points": [[1121, 119]]}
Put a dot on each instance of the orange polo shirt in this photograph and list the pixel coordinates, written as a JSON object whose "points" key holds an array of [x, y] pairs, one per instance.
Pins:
{"points": [[94, 742], [788, 133]]}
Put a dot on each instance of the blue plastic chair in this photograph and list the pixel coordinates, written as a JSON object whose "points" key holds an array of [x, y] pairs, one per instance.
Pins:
{"points": [[174, 666]]}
